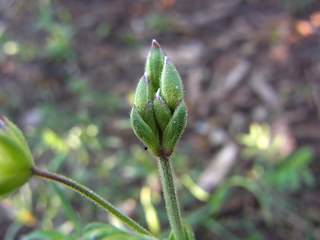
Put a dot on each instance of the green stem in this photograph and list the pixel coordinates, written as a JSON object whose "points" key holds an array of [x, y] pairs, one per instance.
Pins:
{"points": [[170, 197], [94, 197]]}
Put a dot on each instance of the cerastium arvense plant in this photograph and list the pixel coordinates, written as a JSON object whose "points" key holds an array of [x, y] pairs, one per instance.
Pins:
{"points": [[158, 118]]}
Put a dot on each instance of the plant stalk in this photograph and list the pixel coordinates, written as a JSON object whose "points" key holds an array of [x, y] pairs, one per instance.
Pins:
{"points": [[170, 197], [94, 197]]}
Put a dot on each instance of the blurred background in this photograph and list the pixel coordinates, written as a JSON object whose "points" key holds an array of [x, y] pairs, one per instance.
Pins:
{"points": [[247, 165]]}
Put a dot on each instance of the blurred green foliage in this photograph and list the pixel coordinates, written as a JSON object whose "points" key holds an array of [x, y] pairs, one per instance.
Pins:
{"points": [[59, 34], [91, 231], [296, 6], [269, 180], [159, 23], [79, 138]]}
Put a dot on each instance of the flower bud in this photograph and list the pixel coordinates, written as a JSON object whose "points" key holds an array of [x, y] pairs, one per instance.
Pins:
{"points": [[15, 157], [171, 85], [154, 65], [175, 128], [144, 132], [159, 115]]}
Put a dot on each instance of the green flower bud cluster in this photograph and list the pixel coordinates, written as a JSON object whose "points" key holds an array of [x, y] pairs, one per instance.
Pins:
{"points": [[15, 158], [159, 114]]}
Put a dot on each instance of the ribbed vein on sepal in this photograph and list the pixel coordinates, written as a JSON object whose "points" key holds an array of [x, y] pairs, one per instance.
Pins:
{"points": [[149, 117], [162, 112]]}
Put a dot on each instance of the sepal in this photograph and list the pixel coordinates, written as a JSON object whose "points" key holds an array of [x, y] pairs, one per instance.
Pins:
{"points": [[144, 132], [154, 65], [175, 128], [141, 95], [149, 117], [171, 84], [162, 112]]}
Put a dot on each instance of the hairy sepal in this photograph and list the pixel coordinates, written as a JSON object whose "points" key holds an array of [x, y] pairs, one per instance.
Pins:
{"points": [[175, 128], [144, 132]]}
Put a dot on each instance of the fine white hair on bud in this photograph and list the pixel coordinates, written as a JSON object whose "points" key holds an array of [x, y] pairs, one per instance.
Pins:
{"points": [[3, 124]]}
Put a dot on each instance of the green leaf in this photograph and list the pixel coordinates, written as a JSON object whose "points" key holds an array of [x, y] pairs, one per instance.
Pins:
{"points": [[101, 231], [68, 210], [187, 231], [300, 158], [291, 171], [47, 235], [218, 199], [308, 178]]}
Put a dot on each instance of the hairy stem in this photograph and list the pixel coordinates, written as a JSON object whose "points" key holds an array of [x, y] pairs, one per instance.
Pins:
{"points": [[170, 196], [94, 197]]}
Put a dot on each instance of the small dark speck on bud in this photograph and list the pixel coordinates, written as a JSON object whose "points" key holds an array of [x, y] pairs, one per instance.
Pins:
{"points": [[145, 148], [149, 102]]}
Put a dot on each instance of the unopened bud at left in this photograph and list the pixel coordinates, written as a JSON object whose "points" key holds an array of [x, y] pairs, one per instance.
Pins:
{"points": [[15, 158]]}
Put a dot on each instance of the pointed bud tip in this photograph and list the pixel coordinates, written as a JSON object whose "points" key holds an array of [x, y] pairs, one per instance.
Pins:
{"points": [[157, 96], [155, 43]]}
